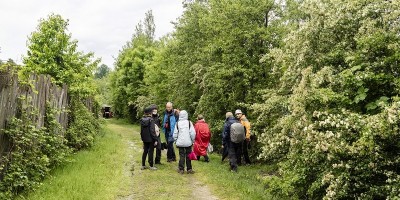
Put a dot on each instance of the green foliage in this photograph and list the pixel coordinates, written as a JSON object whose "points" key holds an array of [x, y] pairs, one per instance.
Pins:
{"points": [[32, 153], [290, 66], [52, 51], [327, 121], [127, 80], [99, 173], [104, 90], [83, 126], [343, 155], [102, 71]]}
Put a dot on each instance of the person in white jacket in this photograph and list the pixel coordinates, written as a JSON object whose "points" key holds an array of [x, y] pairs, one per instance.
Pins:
{"points": [[184, 136]]}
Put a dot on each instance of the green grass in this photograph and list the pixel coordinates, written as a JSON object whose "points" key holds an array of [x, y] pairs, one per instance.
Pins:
{"points": [[97, 173], [111, 170], [245, 184]]}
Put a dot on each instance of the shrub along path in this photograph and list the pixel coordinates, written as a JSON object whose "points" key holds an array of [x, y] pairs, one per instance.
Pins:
{"points": [[111, 170]]}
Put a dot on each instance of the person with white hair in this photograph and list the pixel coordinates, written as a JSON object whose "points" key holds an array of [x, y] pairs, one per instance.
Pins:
{"points": [[168, 127]]}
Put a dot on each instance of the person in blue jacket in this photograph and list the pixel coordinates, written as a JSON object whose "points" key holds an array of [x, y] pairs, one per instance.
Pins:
{"points": [[234, 149], [168, 127]]}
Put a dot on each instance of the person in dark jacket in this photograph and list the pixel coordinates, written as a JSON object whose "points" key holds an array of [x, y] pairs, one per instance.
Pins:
{"points": [[157, 122], [234, 149], [168, 127], [149, 138], [224, 145]]}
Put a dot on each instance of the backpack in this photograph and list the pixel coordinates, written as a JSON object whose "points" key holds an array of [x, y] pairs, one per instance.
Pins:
{"points": [[177, 127], [238, 133]]}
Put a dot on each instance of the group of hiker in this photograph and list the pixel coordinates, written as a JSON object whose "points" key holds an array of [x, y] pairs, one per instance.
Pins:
{"points": [[192, 141]]}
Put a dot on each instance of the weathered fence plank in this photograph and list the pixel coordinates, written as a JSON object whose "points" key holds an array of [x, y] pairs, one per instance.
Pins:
{"points": [[35, 96]]}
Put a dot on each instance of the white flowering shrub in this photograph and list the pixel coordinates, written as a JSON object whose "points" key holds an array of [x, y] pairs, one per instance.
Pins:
{"points": [[343, 155], [332, 122]]}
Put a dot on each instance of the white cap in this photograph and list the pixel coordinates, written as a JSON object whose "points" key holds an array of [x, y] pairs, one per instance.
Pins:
{"points": [[238, 112]]}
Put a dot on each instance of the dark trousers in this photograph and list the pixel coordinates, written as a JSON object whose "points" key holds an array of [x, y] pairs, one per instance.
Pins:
{"points": [[184, 156], [171, 152], [225, 152], [158, 151], [246, 152], [235, 154], [206, 158], [148, 149]]}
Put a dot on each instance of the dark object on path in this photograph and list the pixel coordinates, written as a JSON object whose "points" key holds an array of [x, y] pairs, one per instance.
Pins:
{"points": [[106, 110]]}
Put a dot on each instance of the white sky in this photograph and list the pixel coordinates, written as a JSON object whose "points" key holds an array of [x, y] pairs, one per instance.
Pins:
{"points": [[100, 26]]}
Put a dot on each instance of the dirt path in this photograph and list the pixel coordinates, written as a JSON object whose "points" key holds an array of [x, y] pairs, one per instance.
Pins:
{"points": [[201, 191], [165, 183]]}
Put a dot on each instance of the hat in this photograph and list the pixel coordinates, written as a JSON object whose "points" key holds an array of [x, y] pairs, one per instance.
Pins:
{"points": [[147, 110], [238, 111], [154, 106]]}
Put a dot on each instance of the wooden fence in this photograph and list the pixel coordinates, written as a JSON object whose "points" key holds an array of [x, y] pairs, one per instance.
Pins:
{"points": [[34, 96]]}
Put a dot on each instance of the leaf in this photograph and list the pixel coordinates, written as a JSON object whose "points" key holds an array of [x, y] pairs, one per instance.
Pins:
{"points": [[361, 94], [371, 106]]}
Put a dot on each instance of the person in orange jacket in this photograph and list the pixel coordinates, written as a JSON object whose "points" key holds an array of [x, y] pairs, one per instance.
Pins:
{"points": [[243, 120]]}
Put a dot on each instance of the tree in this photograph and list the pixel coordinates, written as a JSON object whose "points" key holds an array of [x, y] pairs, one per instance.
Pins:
{"points": [[102, 71], [52, 51], [128, 80]]}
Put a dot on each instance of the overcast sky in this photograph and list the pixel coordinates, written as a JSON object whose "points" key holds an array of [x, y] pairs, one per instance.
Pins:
{"points": [[100, 26]]}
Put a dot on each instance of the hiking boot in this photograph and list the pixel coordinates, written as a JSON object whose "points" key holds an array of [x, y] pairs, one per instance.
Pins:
{"points": [[153, 168], [190, 171], [143, 168], [180, 171], [234, 170]]}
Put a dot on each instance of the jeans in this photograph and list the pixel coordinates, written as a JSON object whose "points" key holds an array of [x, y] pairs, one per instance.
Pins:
{"points": [[235, 154], [184, 156], [148, 149]]}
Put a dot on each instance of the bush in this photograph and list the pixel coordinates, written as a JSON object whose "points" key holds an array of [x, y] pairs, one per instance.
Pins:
{"points": [[32, 153], [83, 126], [343, 156]]}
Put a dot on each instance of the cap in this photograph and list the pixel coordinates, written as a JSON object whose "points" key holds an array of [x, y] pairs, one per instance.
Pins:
{"points": [[147, 110], [154, 106], [238, 112]]}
